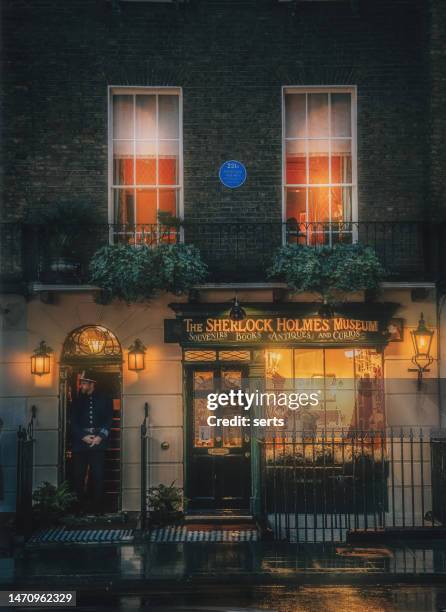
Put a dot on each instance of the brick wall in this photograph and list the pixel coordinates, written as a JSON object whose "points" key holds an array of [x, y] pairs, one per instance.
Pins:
{"points": [[231, 58]]}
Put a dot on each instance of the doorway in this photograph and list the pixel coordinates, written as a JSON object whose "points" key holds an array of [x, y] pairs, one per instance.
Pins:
{"points": [[219, 458], [103, 358]]}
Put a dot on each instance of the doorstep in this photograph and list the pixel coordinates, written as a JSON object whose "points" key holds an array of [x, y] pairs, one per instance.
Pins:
{"points": [[396, 533]]}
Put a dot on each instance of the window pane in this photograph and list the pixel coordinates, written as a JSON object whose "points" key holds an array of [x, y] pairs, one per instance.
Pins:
{"points": [[146, 206], [309, 375], [318, 209], [339, 388], [318, 161], [318, 115], [296, 205], [370, 390], [341, 161], [295, 116], [341, 205], [146, 162], [168, 201], [123, 206], [168, 117], [341, 115], [168, 162], [122, 116], [279, 369], [296, 167], [123, 162], [145, 117]]}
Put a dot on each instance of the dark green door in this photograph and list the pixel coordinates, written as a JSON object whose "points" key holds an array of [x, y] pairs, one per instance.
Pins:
{"points": [[219, 472]]}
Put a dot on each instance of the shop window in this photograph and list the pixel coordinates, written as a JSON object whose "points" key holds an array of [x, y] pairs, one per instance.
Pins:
{"points": [[319, 178], [348, 382], [146, 162]]}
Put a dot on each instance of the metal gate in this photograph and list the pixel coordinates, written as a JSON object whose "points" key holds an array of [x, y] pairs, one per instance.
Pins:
{"points": [[25, 468], [319, 486]]}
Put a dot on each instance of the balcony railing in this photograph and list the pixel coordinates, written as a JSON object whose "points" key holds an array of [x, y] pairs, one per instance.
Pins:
{"points": [[233, 251]]}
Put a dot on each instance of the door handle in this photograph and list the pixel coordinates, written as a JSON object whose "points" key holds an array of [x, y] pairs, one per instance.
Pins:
{"points": [[247, 455]]}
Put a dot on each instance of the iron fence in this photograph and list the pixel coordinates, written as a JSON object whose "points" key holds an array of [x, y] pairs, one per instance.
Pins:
{"points": [[25, 467], [320, 486], [233, 251]]}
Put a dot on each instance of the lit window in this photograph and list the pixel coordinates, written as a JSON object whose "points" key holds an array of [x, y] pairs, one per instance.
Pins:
{"points": [[146, 158], [319, 171]]}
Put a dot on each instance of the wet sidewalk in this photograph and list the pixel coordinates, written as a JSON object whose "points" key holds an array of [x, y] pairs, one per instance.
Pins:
{"points": [[132, 567]]}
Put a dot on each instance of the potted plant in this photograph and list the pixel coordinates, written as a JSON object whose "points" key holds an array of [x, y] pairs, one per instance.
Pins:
{"points": [[165, 503], [51, 503], [64, 231], [328, 271], [179, 267]]}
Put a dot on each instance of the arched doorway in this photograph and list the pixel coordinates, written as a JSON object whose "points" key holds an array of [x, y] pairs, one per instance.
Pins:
{"points": [[96, 348]]}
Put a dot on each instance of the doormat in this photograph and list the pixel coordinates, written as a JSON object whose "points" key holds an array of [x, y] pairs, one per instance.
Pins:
{"points": [[82, 536], [185, 534]]}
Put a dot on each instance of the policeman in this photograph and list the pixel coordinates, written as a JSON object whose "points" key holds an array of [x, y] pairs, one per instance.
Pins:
{"points": [[91, 422]]}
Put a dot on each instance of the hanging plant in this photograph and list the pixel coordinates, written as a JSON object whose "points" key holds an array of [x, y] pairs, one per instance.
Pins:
{"points": [[135, 274], [345, 268], [179, 267], [124, 272]]}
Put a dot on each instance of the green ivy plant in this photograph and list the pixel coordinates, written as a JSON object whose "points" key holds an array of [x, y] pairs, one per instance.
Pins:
{"points": [[135, 274], [344, 268]]}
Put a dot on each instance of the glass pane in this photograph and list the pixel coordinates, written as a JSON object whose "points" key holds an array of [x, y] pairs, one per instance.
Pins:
{"points": [[168, 121], [309, 373], [123, 162], [279, 369], [339, 388], [231, 379], [122, 116], [370, 390], [168, 162], [146, 206], [295, 116], [295, 207], [203, 381], [341, 114], [146, 163], [296, 167], [203, 433], [341, 206], [318, 115], [341, 161], [145, 117], [318, 211], [318, 161], [232, 436], [124, 206], [168, 201]]}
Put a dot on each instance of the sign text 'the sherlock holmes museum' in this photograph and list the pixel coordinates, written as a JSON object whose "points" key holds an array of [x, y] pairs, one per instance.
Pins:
{"points": [[201, 330]]}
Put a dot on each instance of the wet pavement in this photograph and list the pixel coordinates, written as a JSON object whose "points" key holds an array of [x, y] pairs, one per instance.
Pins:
{"points": [[131, 567]]}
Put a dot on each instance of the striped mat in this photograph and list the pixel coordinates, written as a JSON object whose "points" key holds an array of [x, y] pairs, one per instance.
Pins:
{"points": [[183, 534], [81, 536]]}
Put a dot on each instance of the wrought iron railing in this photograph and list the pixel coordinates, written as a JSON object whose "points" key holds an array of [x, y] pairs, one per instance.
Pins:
{"points": [[321, 486], [25, 468], [234, 251]]}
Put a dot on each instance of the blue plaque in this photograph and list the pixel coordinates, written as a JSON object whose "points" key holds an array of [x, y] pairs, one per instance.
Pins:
{"points": [[232, 174]]}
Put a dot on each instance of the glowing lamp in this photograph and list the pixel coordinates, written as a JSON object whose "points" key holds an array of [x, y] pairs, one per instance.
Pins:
{"points": [[421, 340], [41, 360], [136, 356]]}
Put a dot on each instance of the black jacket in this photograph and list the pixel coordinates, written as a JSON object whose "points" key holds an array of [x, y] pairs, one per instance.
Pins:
{"points": [[91, 412]]}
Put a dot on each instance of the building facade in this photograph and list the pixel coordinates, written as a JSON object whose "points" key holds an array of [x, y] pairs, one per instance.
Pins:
{"points": [[131, 108]]}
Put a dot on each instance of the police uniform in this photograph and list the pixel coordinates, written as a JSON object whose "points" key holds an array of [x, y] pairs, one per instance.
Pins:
{"points": [[90, 415]]}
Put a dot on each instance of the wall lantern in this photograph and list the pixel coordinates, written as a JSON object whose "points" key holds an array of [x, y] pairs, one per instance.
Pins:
{"points": [[237, 313], [136, 356], [41, 361], [422, 340]]}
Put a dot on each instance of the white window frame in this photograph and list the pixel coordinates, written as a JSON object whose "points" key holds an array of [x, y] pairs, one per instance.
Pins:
{"points": [[352, 90], [163, 90]]}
